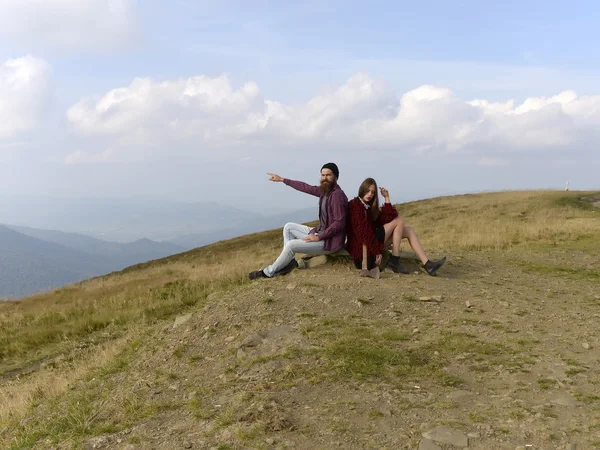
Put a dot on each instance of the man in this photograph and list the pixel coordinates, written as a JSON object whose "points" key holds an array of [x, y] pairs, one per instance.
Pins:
{"points": [[329, 237]]}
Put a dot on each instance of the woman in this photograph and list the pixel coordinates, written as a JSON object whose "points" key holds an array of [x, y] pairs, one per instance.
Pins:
{"points": [[370, 229]]}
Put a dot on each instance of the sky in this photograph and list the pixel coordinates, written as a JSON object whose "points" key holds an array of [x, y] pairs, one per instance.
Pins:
{"points": [[197, 100]]}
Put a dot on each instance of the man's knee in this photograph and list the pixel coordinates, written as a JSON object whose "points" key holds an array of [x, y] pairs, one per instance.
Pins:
{"points": [[288, 226], [291, 246]]}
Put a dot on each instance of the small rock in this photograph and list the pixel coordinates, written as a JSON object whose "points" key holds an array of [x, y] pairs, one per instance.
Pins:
{"points": [[468, 304], [181, 320], [98, 442], [291, 287], [585, 345], [252, 341], [416, 272], [447, 435], [270, 441], [457, 395], [565, 400], [428, 444], [474, 435], [437, 298], [426, 426], [425, 299], [386, 411], [229, 338], [416, 330], [505, 304], [187, 445]]}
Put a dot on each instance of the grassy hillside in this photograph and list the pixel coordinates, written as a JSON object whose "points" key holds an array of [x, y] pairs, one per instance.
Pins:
{"points": [[321, 358]]}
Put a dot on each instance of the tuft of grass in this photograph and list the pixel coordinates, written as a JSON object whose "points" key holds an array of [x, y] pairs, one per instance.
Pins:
{"points": [[451, 381], [574, 202], [586, 398], [477, 418], [393, 335], [546, 383], [576, 273]]}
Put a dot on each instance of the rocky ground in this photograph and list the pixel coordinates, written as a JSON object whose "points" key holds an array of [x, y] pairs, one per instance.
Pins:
{"points": [[499, 351]]}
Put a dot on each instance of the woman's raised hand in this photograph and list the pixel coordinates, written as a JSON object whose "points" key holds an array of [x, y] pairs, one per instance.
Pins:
{"points": [[384, 192], [274, 177]]}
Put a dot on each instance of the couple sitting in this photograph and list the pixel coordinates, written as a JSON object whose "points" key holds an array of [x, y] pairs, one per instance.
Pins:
{"points": [[369, 228]]}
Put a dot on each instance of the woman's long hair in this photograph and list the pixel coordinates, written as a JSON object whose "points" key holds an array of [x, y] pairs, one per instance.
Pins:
{"points": [[374, 203]]}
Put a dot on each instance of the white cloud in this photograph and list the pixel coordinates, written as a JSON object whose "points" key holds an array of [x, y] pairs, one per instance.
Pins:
{"points": [[200, 107], [72, 24], [490, 162], [209, 113], [24, 94], [79, 157]]}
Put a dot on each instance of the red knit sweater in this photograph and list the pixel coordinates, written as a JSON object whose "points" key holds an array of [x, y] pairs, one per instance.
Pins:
{"points": [[361, 228]]}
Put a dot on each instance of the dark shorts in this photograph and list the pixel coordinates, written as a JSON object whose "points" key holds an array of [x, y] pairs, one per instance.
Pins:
{"points": [[380, 234]]}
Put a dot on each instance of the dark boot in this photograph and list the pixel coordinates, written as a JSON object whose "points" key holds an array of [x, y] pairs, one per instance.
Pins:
{"points": [[432, 266], [396, 266], [293, 264], [256, 275]]}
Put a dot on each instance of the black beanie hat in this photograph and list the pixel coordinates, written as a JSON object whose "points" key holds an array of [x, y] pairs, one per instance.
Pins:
{"points": [[333, 168]]}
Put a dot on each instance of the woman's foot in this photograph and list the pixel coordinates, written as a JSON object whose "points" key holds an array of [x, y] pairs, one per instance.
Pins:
{"points": [[432, 266], [396, 265]]}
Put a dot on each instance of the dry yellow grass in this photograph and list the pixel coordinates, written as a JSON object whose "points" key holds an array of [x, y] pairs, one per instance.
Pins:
{"points": [[17, 395], [106, 312], [501, 220]]}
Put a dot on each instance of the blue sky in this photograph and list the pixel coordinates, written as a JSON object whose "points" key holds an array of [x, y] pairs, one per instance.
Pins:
{"points": [[329, 80]]}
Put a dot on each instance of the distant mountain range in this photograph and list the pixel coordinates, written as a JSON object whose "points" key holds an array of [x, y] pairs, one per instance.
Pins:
{"points": [[121, 220], [34, 259]]}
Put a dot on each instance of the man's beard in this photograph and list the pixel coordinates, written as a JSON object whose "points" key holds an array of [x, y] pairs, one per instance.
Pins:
{"points": [[326, 187]]}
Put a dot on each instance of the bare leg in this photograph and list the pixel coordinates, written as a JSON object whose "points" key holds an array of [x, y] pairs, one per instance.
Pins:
{"points": [[414, 242], [394, 231]]}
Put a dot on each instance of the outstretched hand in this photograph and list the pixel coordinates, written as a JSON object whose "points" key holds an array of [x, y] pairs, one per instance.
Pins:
{"points": [[274, 177]]}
